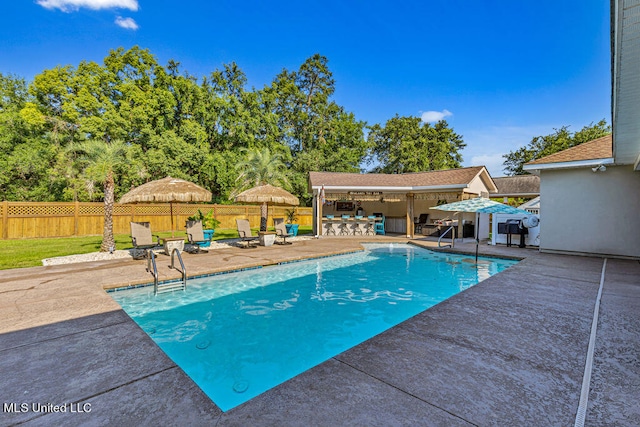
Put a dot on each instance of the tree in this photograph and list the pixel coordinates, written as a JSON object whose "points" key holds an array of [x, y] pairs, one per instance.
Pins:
{"points": [[406, 144], [99, 161], [300, 99], [560, 139], [173, 123], [321, 135], [261, 167]]}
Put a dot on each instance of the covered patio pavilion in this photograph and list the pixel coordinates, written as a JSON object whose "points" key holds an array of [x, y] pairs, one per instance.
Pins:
{"points": [[401, 198]]}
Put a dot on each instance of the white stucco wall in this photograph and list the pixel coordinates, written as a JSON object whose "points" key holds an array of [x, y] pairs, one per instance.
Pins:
{"points": [[476, 187], [592, 213]]}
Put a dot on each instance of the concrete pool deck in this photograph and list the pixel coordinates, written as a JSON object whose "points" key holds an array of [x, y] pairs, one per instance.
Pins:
{"points": [[509, 351]]}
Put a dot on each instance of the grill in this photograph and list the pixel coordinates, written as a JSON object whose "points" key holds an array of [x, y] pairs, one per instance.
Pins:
{"points": [[510, 227]]}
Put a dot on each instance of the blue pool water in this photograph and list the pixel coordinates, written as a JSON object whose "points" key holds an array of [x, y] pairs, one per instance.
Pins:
{"points": [[240, 334]]}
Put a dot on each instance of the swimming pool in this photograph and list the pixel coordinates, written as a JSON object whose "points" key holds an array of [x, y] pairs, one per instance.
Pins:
{"points": [[240, 334]]}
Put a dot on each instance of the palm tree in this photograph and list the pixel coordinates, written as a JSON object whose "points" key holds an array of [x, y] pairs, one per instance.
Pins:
{"points": [[99, 161], [261, 167]]}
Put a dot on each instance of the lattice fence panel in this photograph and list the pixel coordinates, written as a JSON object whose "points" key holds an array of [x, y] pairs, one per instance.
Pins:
{"points": [[143, 209], [190, 210], [92, 209], [122, 209], [232, 210], [39, 210]]}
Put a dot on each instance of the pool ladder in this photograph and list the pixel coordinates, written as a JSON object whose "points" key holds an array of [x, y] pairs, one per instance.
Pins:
{"points": [[171, 286], [453, 235]]}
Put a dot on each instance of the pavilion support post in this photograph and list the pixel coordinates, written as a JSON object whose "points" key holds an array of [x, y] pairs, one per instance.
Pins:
{"points": [[76, 215], [319, 222], [410, 227], [317, 211]]}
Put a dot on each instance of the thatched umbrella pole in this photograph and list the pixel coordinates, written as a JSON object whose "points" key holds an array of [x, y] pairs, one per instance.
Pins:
{"points": [[171, 213], [264, 212]]}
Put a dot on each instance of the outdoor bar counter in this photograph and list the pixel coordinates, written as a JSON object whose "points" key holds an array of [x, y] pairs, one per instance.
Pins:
{"points": [[343, 225]]}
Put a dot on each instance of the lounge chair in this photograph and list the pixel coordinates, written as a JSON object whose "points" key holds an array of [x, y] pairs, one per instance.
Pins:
{"points": [[244, 231], [142, 239], [281, 231], [195, 235]]}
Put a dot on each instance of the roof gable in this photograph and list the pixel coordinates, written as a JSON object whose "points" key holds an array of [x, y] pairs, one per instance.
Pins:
{"points": [[601, 148], [520, 185]]}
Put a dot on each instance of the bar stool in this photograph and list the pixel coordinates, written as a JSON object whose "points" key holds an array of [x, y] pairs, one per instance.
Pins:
{"points": [[329, 226], [344, 225], [356, 225], [370, 230]]}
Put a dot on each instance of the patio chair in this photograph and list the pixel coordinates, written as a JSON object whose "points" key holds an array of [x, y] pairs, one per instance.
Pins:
{"points": [[281, 231], [195, 235], [422, 221], [244, 231], [142, 239]]}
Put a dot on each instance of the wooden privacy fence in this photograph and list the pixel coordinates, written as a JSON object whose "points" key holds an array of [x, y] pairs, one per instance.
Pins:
{"points": [[37, 219]]}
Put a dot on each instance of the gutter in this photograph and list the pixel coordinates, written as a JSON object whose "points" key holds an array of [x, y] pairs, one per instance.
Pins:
{"points": [[343, 188], [536, 168]]}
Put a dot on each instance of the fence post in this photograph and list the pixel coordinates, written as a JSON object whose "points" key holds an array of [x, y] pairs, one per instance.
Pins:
{"points": [[5, 219], [76, 214]]}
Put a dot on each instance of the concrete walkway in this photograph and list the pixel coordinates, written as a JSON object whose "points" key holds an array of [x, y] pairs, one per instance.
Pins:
{"points": [[509, 351]]}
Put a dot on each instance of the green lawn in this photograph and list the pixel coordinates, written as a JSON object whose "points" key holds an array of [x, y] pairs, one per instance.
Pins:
{"points": [[31, 252]]}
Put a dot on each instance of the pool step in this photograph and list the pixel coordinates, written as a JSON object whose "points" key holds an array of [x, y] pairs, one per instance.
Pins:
{"points": [[170, 287]]}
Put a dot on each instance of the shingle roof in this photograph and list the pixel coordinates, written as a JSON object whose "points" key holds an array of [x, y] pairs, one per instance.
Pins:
{"points": [[459, 176], [521, 185], [601, 148]]}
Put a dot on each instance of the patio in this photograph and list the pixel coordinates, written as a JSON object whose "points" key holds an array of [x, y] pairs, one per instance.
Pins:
{"points": [[509, 351]]}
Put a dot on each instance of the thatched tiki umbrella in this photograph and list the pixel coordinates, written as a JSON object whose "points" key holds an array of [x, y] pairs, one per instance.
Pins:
{"points": [[167, 190], [267, 194]]}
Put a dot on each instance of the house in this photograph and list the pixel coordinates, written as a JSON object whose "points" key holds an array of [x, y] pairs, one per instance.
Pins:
{"points": [[519, 186], [401, 198], [590, 193]]}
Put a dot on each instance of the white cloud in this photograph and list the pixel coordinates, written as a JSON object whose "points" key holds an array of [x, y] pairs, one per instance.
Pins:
{"points": [[435, 116], [127, 23], [72, 5]]}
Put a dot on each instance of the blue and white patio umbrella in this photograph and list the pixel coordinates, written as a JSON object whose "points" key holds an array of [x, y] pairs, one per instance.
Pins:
{"points": [[481, 205]]}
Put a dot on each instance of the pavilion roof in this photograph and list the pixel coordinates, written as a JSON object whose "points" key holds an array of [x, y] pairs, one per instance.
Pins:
{"points": [[441, 179]]}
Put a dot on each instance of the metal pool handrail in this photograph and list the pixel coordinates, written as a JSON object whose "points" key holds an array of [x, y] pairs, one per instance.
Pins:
{"points": [[184, 270], [151, 261], [453, 235]]}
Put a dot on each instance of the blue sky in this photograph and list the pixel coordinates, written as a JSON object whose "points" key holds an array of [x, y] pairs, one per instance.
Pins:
{"points": [[499, 71]]}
